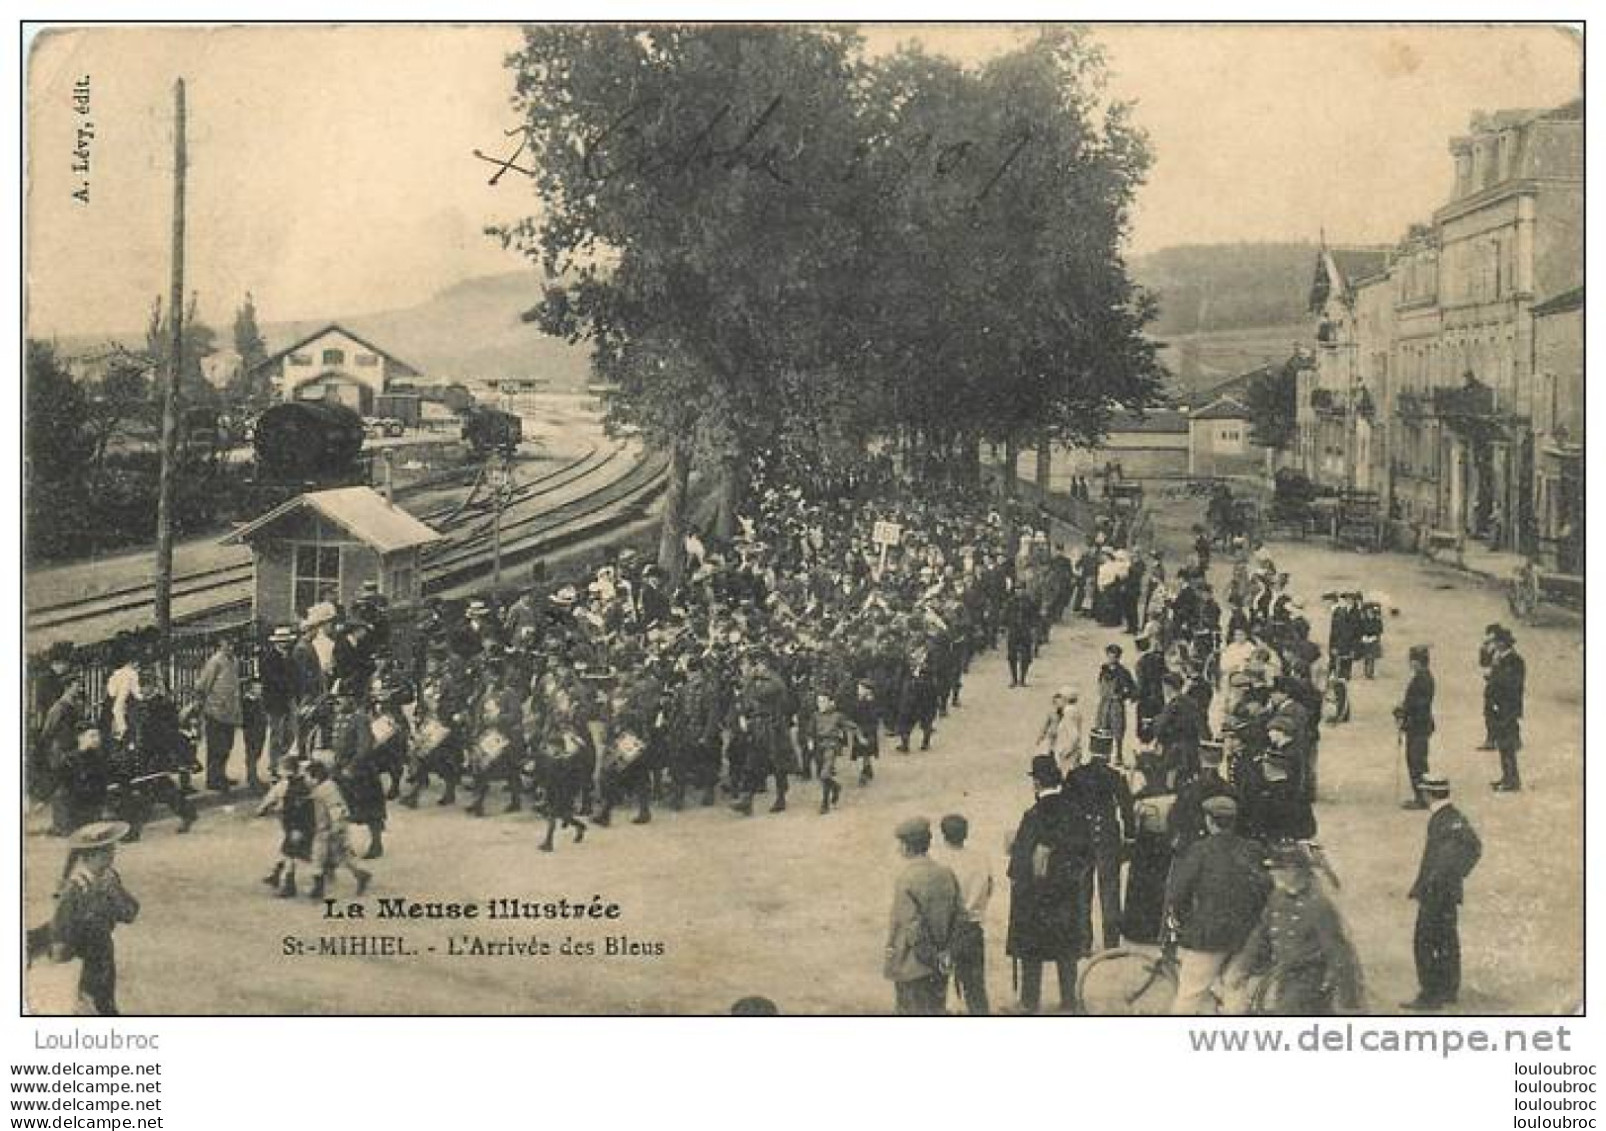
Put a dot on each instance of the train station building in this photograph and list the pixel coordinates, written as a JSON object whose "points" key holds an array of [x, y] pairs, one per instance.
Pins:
{"points": [[335, 364]]}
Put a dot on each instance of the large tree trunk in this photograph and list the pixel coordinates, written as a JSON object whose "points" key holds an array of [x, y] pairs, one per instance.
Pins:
{"points": [[732, 469], [1044, 464], [970, 459], [672, 531], [1011, 458]]}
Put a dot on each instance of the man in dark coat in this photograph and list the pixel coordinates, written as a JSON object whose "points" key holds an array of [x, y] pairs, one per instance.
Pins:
{"points": [[1217, 890], [1185, 823], [1503, 694], [927, 910], [1020, 629], [1344, 634], [1105, 799], [1415, 716], [1178, 730], [1150, 673], [276, 670], [1047, 858], [1451, 852]]}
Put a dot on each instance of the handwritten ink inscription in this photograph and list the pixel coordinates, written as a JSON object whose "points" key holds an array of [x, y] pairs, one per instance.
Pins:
{"points": [[83, 139], [724, 142]]}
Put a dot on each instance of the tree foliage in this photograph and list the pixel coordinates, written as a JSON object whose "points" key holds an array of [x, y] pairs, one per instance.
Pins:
{"points": [[771, 241], [250, 387], [1272, 400]]}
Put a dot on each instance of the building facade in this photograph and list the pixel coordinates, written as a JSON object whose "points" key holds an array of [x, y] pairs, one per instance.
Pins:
{"points": [[1219, 440], [1558, 431], [335, 364], [1426, 387], [1328, 394]]}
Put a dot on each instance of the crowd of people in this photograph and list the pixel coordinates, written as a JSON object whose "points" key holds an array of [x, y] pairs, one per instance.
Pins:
{"points": [[1203, 839], [837, 626]]}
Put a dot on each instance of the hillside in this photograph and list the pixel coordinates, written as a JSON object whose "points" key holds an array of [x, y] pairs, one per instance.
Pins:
{"points": [[469, 330], [1227, 308], [1204, 288]]}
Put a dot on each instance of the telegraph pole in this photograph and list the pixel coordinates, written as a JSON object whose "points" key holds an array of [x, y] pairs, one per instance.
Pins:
{"points": [[175, 362]]}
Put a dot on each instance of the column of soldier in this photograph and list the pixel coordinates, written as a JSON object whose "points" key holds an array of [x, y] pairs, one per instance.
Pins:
{"points": [[797, 648]]}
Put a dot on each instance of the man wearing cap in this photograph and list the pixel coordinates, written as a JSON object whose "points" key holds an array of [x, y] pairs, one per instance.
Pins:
{"points": [[927, 910], [1216, 892], [1415, 718], [1149, 673], [1116, 689], [1301, 936], [1503, 693], [1061, 736], [1450, 853], [1047, 858], [90, 903], [1274, 803], [1105, 799]]}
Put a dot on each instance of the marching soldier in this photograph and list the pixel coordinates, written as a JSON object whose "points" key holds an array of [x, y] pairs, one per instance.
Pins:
{"points": [[761, 713], [498, 748], [356, 770], [1450, 853]]}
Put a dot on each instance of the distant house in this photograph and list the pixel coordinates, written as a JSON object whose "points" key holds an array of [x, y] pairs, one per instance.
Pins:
{"points": [[335, 364], [1151, 446], [1218, 440], [320, 547]]}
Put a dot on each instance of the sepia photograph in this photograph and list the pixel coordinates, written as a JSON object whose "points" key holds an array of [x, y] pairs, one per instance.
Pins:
{"points": [[803, 519]]}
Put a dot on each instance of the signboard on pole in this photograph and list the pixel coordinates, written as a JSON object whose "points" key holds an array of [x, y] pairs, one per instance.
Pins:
{"points": [[887, 533]]}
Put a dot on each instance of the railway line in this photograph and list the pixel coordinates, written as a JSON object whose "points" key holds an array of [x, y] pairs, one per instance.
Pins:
{"points": [[215, 594]]}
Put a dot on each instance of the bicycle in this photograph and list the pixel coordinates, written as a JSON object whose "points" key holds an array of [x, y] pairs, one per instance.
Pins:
{"points": [[1125, 982]]}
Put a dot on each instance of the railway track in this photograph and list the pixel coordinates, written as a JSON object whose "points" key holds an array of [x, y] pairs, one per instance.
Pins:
{"points": [[469, 533]]}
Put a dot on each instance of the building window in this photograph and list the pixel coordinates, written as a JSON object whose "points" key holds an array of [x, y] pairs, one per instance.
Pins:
{"points": [[315, 574], [367, 360], [334, 357], [399, 583], [301, 359]]}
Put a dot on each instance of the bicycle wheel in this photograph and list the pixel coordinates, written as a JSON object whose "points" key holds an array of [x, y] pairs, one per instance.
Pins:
{"points": [[1127, 983], [1288, 991]]}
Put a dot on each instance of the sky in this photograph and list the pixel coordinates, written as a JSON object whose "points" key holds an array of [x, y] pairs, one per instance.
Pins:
{"points": [[331, 169]]}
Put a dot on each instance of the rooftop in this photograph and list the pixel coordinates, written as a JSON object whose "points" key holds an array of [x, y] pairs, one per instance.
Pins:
{"points": [[361, 511], [1223, 408]]}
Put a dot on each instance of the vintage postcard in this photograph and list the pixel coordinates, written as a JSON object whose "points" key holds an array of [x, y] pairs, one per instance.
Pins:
{"points": [[603, 519]]}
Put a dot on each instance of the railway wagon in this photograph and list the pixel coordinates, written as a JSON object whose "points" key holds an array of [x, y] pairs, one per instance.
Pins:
{"points": [[307, 441], [487, 430]]}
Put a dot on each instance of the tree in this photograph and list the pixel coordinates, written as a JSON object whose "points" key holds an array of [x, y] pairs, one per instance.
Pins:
{"points": [[1005, 309], [1272, 400], [692, 224], [124, 396], [250, 387], [772, 244], [56, 410]]}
